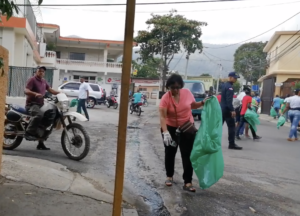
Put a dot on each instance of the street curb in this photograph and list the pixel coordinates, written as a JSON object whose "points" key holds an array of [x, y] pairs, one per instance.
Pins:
{"points": [[53, 176], [271, 120]]}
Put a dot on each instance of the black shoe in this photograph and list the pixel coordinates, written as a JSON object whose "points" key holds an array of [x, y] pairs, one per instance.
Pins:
{"points": [[257, 138], [235, 147], [30, 137], [41, 146], [238, 137]]}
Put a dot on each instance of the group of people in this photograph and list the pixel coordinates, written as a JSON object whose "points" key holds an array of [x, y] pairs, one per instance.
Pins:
{"points": [[175, 112]]}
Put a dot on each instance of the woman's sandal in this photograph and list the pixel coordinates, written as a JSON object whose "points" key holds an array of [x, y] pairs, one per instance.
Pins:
{"points": [[169, 182], [189, 188]]}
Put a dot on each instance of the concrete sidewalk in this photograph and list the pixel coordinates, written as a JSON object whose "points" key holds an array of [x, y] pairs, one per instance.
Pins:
{"points": [[272, 120], [38, 187]]}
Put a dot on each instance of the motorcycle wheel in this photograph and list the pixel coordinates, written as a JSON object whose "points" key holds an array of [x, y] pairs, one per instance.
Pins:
{"points": [[108, 105], [76, 141], [145, 104], [91, 103], [17, 140], [116, 105], [139, 111], [131, 109]]}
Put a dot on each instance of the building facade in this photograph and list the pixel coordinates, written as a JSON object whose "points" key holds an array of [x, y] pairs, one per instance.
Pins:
{"points": [[31, 44], [283, 66]]}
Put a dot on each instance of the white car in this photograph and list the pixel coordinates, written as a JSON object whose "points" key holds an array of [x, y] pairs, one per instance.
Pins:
{"points": [[71, 89]]}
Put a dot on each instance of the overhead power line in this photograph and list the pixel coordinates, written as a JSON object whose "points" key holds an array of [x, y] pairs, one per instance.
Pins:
{"points": [[123, 4], [254, 36], [179, 11]]}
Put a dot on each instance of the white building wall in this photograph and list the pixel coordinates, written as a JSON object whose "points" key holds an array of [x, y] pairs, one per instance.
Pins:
{"points": [[8, 42], [19, 51], [90, 54]]}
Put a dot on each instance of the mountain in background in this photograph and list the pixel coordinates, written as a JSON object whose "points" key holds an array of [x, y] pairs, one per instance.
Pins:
{"points": [[206, 62]]}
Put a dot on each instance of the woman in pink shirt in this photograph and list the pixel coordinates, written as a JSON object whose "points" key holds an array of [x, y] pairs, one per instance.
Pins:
{"points": [[176, 109]]}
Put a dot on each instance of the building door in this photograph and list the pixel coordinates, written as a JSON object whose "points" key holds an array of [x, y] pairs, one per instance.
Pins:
{"points": [[267, 95]]}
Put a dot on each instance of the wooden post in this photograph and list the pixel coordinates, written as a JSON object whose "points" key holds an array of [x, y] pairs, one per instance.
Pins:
{"points": [[125, 83], [3, 91]]}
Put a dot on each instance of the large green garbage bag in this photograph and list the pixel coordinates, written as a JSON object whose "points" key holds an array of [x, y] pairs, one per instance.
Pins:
{"points": [[252, 118], [206, 157], [273, 113], [280, 122]]}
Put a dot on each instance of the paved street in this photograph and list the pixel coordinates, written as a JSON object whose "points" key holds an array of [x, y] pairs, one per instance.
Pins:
{"points": [[264, 176]]}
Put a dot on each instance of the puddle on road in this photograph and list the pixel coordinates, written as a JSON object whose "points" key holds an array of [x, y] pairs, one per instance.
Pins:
{"points": [[143, 189]]}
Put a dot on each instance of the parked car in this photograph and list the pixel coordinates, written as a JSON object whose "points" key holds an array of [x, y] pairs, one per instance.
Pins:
{"points": [[71, 89]]}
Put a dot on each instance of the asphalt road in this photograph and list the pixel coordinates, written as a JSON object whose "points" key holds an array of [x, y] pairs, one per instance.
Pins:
{"points": [[264, 175]]}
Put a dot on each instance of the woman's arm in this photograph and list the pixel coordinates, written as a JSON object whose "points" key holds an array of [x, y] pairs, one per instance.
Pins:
{"points": [[163, 116], [196, 105]]}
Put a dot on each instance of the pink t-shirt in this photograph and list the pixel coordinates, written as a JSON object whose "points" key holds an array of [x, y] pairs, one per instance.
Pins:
{"points": [[183, 108]]}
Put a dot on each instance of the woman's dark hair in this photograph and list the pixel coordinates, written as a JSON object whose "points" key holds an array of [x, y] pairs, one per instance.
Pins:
{"points": [[174, 78]]}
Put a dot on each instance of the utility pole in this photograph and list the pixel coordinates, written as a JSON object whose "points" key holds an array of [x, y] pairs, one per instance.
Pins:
{"points": [[123, 111], [219, 77], [162, 63], [186, 67]]}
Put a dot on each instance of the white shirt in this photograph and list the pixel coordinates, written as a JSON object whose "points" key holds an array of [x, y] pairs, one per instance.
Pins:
{"points": [[82, 90], [241, 96], [294, 101]]}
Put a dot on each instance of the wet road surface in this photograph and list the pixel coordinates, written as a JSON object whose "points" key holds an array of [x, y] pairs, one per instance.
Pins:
{"points": [[264, 176]]}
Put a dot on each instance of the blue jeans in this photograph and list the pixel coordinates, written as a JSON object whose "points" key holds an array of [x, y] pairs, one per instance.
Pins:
{"points": [[82, 105], [277, 111], [295, 118], [242, 129]]}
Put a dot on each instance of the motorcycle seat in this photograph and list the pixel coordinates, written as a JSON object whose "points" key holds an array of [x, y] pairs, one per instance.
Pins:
{"points": [[19, 109]]}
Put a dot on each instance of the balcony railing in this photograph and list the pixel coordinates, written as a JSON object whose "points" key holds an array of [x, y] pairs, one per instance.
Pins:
{"points": [[49, 58], [88, 63]]}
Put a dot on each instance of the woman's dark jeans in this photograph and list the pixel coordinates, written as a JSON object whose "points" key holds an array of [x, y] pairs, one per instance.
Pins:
{"points": [[241, 124], [186, 145]]}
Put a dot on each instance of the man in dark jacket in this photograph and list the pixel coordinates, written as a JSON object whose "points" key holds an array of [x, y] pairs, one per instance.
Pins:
{"points": [[228, 111]]}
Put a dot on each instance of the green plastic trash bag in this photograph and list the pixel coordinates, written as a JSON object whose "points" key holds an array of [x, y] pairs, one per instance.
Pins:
{"points": [[73, 103], [280, 122], [206, 157], [273, 113], [252, 118]]}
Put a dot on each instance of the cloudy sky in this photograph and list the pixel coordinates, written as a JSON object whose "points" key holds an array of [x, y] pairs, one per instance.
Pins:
{"points": [[228, 22]]}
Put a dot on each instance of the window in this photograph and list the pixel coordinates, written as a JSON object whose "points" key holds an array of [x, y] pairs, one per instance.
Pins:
{"points": [[155, 89], [197, 89], [95, 87], [77, 56], [58, 54], [143, 89], [71, 86]]}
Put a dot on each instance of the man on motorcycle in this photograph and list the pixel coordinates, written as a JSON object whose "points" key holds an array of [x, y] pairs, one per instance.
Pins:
{"points": [[137, 98], [35, 90]]}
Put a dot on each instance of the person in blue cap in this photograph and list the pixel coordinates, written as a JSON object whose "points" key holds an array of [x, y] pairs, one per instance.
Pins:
{"points": [[228, 111]]}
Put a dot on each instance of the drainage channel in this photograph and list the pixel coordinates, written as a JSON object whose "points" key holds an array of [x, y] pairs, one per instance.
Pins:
{"points": [[143, 189]]}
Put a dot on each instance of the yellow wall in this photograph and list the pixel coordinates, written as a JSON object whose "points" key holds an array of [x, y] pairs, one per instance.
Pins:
{"points": [[290, 61], [208, 81], [3, 90]]}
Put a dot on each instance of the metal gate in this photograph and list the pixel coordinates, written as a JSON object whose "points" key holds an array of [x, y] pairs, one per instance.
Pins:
{"points": [[267, 95], [17, 79]]}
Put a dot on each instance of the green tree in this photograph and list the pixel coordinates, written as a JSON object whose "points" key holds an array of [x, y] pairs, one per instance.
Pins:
{"points": [[166, 35], [147, 69], [206, 74], [8, 7], [236, 86], [250, 60]]}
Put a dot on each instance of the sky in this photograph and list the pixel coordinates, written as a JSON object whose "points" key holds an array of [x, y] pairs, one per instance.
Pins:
{"points": [[228, 22]]}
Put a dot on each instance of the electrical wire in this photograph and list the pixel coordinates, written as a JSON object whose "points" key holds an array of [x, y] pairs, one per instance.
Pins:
{"points": [[179, 11], [178, 61], [254, 36], [123, 4], [218, 57]]}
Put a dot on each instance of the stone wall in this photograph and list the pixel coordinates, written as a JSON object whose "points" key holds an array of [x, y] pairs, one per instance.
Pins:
{"points": [[3, 91]]}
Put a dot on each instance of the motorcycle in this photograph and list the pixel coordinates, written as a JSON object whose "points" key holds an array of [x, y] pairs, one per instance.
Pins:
{"points": [[55, 113], [136, 107], [145, 102], [112, 101]]}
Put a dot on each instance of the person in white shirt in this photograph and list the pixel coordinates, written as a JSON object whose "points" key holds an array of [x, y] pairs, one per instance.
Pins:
{"points": [[293, 105], [82, 97]]}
